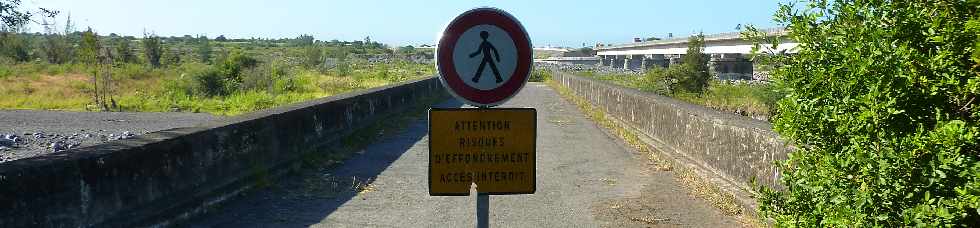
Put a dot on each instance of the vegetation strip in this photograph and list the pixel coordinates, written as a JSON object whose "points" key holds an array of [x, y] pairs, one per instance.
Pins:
{"points": [[85, 71]]}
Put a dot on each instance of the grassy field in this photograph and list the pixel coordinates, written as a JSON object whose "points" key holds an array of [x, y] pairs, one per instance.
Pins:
{"points": [[756, 100], [140, 88], [57, 71]]}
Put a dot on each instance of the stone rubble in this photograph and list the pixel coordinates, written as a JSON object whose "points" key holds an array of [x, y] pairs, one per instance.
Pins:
{"points": [[42, 142]]}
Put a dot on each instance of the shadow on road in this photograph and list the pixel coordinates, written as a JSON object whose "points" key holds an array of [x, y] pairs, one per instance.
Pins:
{"points": [[308, 197]]}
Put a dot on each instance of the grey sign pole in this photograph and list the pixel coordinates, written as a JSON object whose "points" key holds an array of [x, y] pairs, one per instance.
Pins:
{"points": [[482, 210]]}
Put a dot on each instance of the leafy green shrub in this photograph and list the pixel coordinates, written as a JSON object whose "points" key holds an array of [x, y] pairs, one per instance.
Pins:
{"points": [[233, 65], [539, 76], [152, 49], [312, 56], [273, 78], [171, 57], [124, 53], [883, 106], [56, 49], [13, 46], [210, 82], [203, 49], [744, 99]]}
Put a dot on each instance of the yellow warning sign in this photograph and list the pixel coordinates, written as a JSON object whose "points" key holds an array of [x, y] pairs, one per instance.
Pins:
{"points": [[494, 148]]}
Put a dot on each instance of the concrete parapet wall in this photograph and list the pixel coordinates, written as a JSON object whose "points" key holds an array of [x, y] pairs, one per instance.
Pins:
{"points": [[736, 147], [151, 179]]}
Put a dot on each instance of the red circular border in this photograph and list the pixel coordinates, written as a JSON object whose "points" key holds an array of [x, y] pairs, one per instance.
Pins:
{"points": [[446, 64]]}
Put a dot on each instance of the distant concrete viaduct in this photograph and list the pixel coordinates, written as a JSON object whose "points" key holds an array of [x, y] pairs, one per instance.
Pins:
{"points": [[728, 52]]}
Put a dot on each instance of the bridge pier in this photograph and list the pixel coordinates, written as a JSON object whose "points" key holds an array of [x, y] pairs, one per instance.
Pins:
{"points": [[674, 59], [605, 60], [651, 61], [617, 61], [731, 66], [633, 62]]}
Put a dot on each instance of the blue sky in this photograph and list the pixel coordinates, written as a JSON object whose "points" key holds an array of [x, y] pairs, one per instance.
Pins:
{"points": [[550, 23]]}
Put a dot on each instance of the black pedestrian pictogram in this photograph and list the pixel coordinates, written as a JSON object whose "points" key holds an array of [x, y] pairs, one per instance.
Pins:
{"points": [[486, 48]]}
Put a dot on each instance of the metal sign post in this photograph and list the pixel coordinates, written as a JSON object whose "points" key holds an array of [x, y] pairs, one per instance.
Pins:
{"points": [[482, 210], [484, 58]]}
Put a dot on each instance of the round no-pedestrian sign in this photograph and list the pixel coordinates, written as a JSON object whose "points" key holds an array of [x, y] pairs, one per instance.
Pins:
{"points": [[484, 57]]}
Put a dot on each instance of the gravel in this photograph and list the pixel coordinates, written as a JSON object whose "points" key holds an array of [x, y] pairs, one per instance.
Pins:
{"points": [[27, 133]]}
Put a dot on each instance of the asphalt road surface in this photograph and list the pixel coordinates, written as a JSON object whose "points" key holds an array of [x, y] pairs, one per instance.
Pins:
{"points": [[585, 178]]}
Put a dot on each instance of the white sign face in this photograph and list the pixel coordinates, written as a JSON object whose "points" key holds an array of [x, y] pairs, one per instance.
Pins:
{"points": [[485, 57]]}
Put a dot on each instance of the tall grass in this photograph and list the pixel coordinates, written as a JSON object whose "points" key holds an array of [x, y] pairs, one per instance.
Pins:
{"points": [[757, 100], [141, 88]]}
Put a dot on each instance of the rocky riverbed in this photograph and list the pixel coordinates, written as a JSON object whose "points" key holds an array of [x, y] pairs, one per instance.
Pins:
{"points": [[27, 133]]}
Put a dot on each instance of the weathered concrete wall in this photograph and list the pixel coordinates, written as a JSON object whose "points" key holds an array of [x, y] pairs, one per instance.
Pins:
{"points": [[151, 179], [738, 147]]}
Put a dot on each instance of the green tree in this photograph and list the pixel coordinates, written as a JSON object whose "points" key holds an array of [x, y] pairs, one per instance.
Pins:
{"points": [[124, 52], [303, 40], [152, 49], [14, 46], [88, 51], [204, 49], [882, 105], [55, 46], [12, 20], [697, 63]]}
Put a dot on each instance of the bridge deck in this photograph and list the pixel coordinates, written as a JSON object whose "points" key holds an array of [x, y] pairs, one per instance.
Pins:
{"points": [[585, 179]]}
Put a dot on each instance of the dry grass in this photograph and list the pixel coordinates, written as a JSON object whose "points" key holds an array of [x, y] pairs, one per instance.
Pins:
{"points": [[140, 88]]}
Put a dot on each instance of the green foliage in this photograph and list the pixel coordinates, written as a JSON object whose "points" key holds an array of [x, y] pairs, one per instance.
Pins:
{"points": [[754, 100], [313, 56], [343, 68], [882, 107], [13, 46], [274, 78], [406, 50], [209, 82], [658, 80], [124, 52], [56, 47], [539, 76], [235, 63], [246, 74], [152, 49], [171, 57], [694, 77], [88, 51], [303, 40], [203, 49]]}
